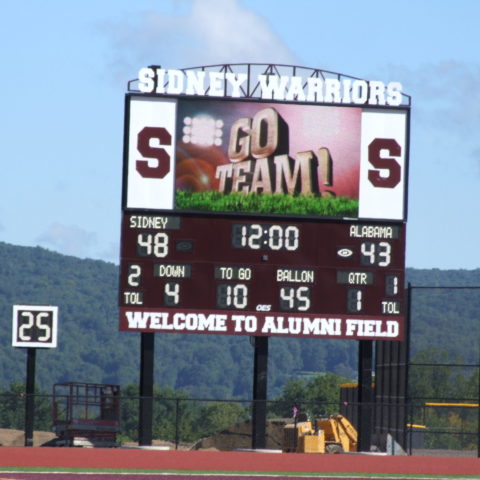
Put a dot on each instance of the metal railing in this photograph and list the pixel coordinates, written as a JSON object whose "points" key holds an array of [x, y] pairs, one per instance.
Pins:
{"points": [[433, 428]]}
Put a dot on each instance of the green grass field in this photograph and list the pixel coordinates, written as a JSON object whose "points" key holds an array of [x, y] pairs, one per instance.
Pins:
{"points": [[267, 203]]}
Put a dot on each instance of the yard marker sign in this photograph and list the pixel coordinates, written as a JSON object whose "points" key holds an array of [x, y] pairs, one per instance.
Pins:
{"points": [[35, 326]]}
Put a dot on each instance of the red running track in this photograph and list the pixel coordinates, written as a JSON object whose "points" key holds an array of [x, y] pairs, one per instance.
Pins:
{"points": [[136, 459]]}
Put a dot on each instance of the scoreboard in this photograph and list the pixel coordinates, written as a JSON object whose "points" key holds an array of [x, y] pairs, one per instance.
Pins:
{"points": [[240, 275], [272, 205]]}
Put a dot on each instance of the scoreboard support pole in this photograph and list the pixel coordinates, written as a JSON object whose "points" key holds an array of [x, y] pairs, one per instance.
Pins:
{"points": [[145, 415], [29, 397], [259, 411], [365, 395]]}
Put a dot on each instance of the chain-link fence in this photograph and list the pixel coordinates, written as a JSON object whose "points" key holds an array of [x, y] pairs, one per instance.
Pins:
{"points": [[437, 412], [444, 369], [452, 427]]}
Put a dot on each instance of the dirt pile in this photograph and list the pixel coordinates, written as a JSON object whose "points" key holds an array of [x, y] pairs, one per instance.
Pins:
{"points": [[16, 438], [240, 436]]}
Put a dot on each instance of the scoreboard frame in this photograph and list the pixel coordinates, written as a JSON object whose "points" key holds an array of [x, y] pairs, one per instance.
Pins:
{"points": [[190, 270]]}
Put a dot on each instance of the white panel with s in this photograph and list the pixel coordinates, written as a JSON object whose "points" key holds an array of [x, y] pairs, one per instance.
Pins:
{"points": [[150, 181], [383, 164]]}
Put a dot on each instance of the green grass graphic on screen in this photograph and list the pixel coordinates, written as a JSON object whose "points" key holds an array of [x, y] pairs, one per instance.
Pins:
{"points": [[267, 203]]}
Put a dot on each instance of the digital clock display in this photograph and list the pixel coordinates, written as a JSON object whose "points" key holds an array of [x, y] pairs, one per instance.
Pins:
{"points": [[191, 274], [265, 237]]}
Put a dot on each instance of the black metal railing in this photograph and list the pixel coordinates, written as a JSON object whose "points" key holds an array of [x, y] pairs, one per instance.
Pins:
{"points": [[433, 428]]}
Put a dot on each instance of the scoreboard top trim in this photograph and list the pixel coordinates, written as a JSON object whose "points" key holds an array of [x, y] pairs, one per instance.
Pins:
{"points": [[272, 82]]}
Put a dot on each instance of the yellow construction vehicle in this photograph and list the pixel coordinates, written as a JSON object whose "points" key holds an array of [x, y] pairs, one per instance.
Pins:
{"points": [[334, 434]]}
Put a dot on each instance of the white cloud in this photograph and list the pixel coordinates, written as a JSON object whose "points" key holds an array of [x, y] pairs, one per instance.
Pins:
{"points": [[69, 240], [445, 95], [445, 113], [212, 32], [231, 33], [110, 253]]}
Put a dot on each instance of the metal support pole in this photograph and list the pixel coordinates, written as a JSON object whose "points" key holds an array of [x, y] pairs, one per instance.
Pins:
{"points": [[478, 427], [365, 395], [177, 423], [408, 431], [147, 347], [259, 412], [30, 398]]}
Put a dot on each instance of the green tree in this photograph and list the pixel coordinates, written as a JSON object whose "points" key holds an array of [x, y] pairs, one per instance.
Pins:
{"points": [[216, 416], [172, 414], [432, 375], [12, 408], [317, 397], [440, 394]]}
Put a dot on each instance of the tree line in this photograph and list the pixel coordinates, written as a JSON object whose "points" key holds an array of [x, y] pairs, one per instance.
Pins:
{"points": [[92, 350], [179, 417]]}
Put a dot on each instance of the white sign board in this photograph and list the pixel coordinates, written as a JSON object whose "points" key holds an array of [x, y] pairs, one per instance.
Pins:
{"points": [[35, 326]]}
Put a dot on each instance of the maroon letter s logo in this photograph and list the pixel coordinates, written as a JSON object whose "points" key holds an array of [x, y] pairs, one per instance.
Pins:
{"points": [[163, 158], [381, 163]]}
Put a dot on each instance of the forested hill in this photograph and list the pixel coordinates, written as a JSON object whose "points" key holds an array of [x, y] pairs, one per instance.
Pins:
{"points": [[91, 349], [445, 321], [443, 278]]}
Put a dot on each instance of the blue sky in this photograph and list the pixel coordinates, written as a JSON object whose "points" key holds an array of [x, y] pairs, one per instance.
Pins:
{"points": [[65, 67]]}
